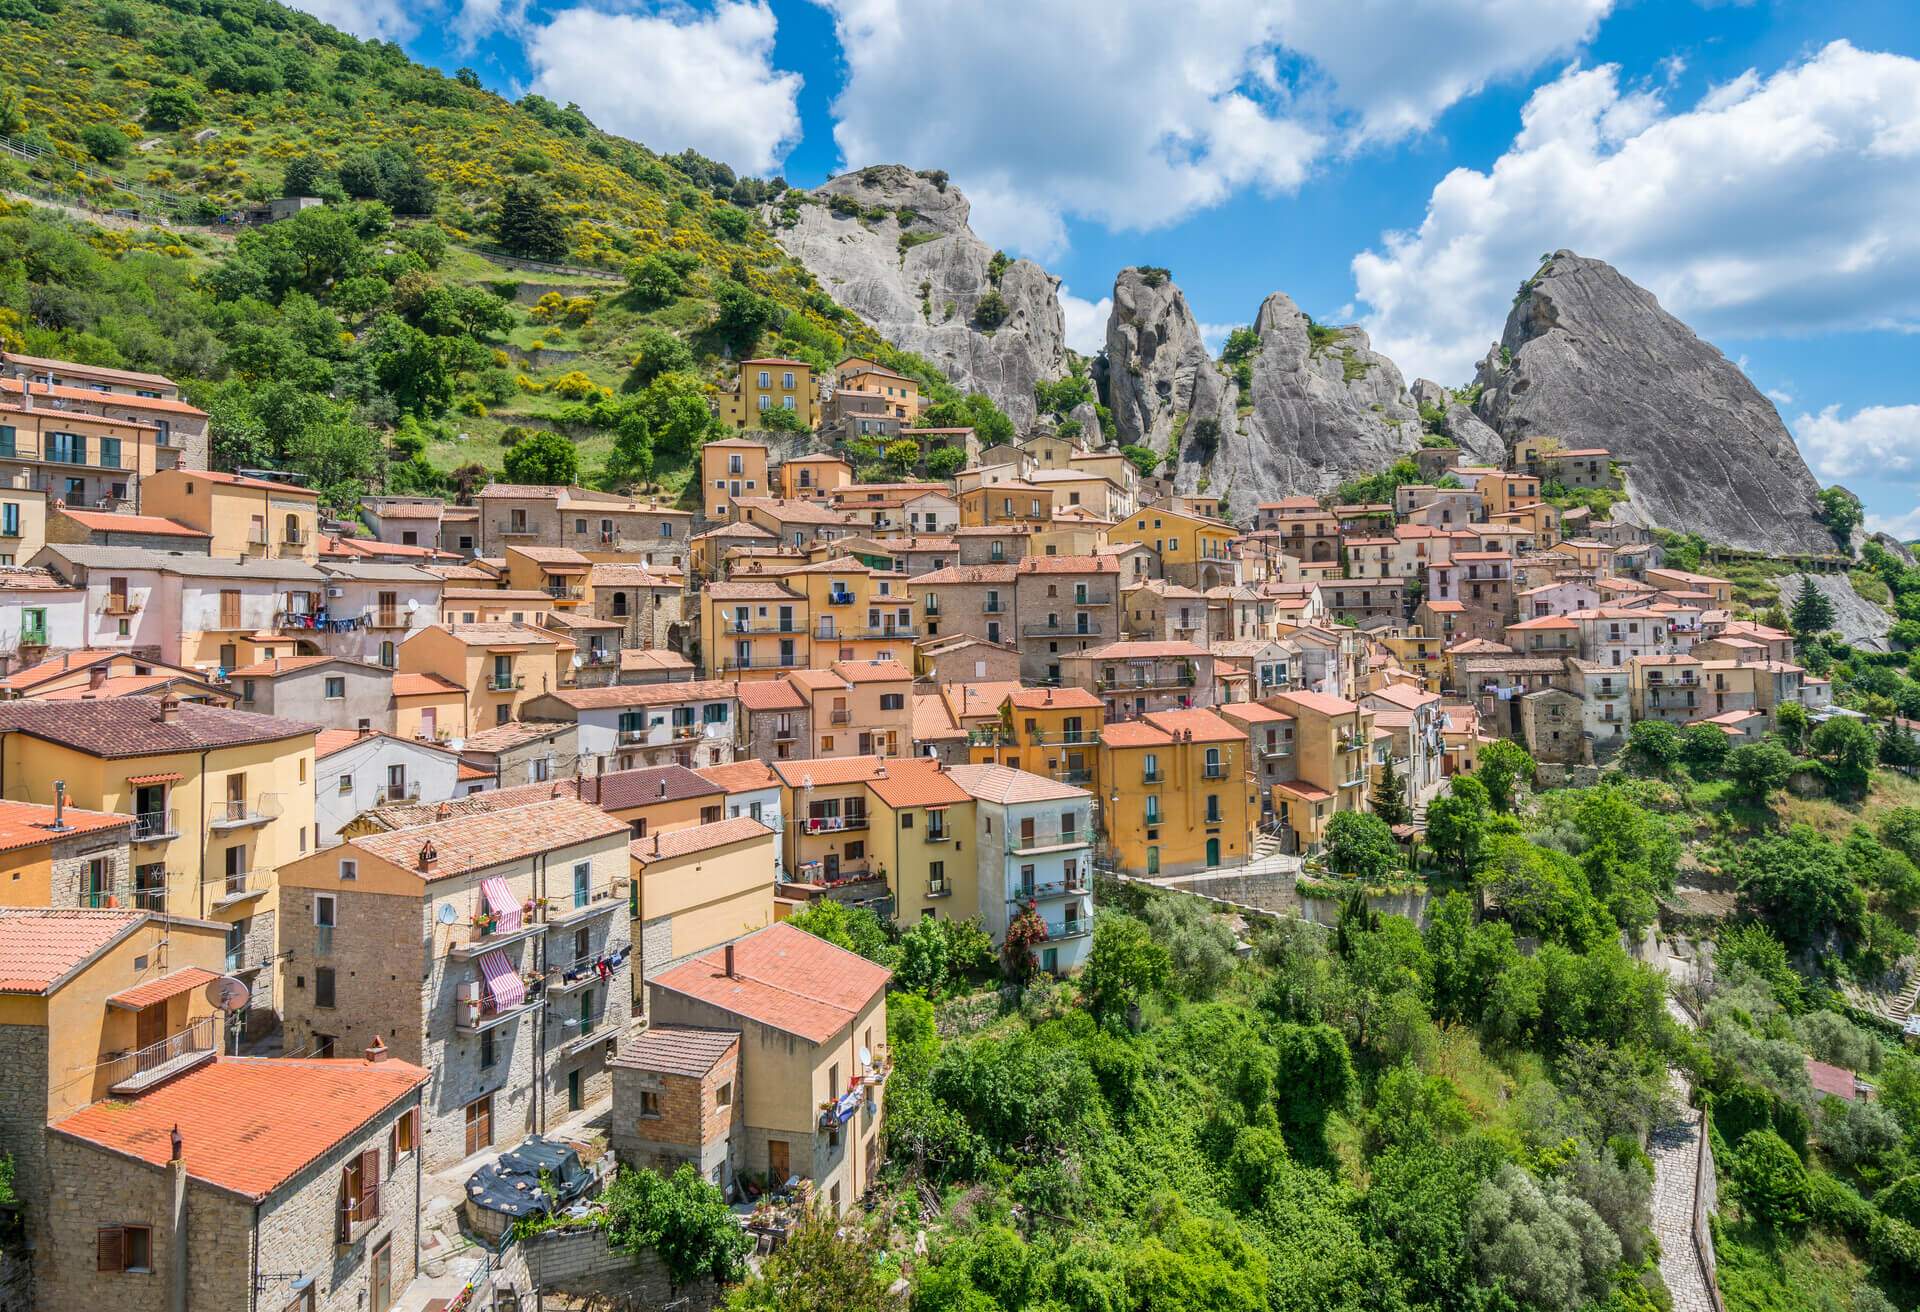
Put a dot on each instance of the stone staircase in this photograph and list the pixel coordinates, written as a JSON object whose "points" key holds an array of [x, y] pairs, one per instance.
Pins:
{"points": [[1265, 845], [1903, 1006]]}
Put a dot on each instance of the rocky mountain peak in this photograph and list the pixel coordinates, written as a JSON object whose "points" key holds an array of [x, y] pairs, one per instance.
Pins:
{"points": [[1158, 368], [1591, 358], [894, 247]]}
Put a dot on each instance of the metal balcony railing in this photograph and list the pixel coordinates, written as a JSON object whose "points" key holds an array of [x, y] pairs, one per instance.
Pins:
{"points": [[155, 826], [1066, 738], [1213, 772], [1040, 892], [150, 898], [1046, 629], [130, 1072], [1041, 840], [834, 824], [565, 592], [758, 626], [238, 886], [404, 793], [118, 604], [840, 717], [383, 618], [939, 887], [509, 684], [1060, 929], [33, 637], [236, 811], [1079, 776]]}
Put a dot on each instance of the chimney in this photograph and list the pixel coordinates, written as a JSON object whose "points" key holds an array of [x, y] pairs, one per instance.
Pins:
{"points": [[169, 709], [729, 959], [96, 676], [376, 1051], [428, 855], [174, 1143], [59, 805]]}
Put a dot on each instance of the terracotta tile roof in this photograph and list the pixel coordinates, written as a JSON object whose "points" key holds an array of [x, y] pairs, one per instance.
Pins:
{"points": [[26, 824], [822, 457], [404, 509], [105, 399], [159, 990], [560, 619], [1324, 703], [411, 815], [1830, 1081], [497, 738], [783, 978], [671, 843], [1200, 726], [963, 574], [645, 694], [258, 484], [738, 529], [22, 578], [632, 576], [465, 771], [1445, 606], [500, 595], [872, 671], [330, 741], [817, 680], [55, 667], [248, 1125], [967, 700], [741, 776], [1406, 696], [136, 685], [932, 721], [784, 511], [550, 555], [103, 522], [677, 1049], [769, 695], [41, 946], [652, 658], [1041, 699], [1306, 792], [826, 771], [132, 726], [1068, 565], [999, 783], [278, 665], [1254, 713], [417, 685], [917, 781], [475, 842], [654, 783], [501, 635], [751, 590], [1125, 650]]}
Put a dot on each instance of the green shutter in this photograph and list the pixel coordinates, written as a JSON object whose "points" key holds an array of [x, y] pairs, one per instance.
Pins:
{"points": [[6, 439]]}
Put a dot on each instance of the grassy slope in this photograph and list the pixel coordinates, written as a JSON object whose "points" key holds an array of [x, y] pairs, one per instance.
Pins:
{"points": [[622, 201]]}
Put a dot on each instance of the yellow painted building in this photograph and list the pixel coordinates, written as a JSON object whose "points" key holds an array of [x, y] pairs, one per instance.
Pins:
{"points": [[859, 708], [731, 467], [859, 614], [23, 523], [498, 666], [428, 706], [1193, 550], [1420, 655], [696, 888], [81, 459], [558, 574], [753, 628], [220, 800], [247, 517], [1332, 742], [923, 832], [813, 477], [826, 838], [1052, 732], [1178, 797], [900, 393], [1015, 501], [656, 799], [772, 383]]}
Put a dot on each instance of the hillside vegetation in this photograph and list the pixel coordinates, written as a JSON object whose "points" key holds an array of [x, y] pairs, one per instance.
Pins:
{"points": [[376, 329]]}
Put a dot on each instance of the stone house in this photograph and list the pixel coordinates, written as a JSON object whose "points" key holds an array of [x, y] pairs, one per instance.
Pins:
{"points": [[523, 914], [534, 515], [813, 1065], [105, 528], [776, 720], [1135, 678], [244, 1181], [520, 752], [647, 604], [975, 600], [681, 1085], [334, 692], [1551, 721], [964, 658], [1065, 604]]}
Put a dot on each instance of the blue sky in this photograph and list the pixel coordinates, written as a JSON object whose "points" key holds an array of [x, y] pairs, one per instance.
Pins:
{"points": [[1395, 163]]}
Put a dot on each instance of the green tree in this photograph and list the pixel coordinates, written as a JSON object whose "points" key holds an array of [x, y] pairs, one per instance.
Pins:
{"points": [[925, 962], [1505, 768], [1899, 747], [658, 351], [1655, 746], [1799, 883], [975, 410], [943, 462], [856, 929], [1390, 796], [824, 1266], [1846, 750], [658, 278], [302, 176], [1841, 512], [1757, 769], [1123, 965], [529, 224], [1790, 720], [1704, 746], [544, 458], [1320, 1078], [104, 142], [1144, 458], [990, 311], [1546, 1250], [1900, 830], [674, 406], [1812, 613], [1770, 1180], [741, 315], [902, 455], [630, 459], [682, 1218], [1361, 844], [1457, 825], [171, 107]]}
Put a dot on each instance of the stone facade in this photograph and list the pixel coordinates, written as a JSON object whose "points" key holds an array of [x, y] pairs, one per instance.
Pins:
{"points": [[366, 698], [73, 860], [766, 740], [580, 1264], [23, 1116], [692, 1125], [291, 1234]]}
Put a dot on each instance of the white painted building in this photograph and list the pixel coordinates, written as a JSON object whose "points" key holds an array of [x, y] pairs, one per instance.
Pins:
{"points": [[1034, 841], [383, 604], [38, 614], [355, 772], [627, 726]]}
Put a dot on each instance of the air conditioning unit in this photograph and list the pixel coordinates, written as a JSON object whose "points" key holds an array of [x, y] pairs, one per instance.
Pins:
{"points": [[336, 592]]}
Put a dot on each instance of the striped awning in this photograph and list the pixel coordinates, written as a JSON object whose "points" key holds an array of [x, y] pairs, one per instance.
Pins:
{"points": [[503, 981], [502, 902]]}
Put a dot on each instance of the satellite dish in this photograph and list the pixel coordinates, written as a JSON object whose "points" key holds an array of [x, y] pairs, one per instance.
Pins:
{"points": [[412, 605], [228, 994], [446, 915], [578, 660]]}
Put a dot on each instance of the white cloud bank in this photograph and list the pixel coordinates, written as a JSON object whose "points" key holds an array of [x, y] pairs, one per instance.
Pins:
{"points": [[1777, 204], [373, 20], [1868, 450], [674, 77], [1136, 115]]}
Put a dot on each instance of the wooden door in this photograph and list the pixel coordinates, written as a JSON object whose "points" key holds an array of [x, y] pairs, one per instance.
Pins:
{"points": [[229, 608], [777, 1171], [150, 1025], [382, 1280], [479, 1124]]}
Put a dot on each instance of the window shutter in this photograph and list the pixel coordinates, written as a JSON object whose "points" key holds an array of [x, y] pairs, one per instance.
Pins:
{"points": [[343, 1215], [110, 1242], [369, 1184]]}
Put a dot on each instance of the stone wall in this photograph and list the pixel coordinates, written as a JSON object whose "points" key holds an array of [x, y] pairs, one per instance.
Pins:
{"points": [[95, 1188], [691, 1125], [581, 1264], [72, 856], [375, 952], [23, 1116]]}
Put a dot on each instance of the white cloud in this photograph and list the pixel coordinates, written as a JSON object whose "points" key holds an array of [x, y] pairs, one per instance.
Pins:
{"points": [[1777, 396], [1215, 334], [1904, 528], [479, 18], [673, 77], [1776, 205], [1875, 444], [375, 20], [1137, 115], [1086, 321]]}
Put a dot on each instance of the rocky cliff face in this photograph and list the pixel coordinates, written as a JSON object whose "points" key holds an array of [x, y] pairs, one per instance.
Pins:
{"points": [[1158, 368], [1591, 359], [1480, 444], [917, 273]]}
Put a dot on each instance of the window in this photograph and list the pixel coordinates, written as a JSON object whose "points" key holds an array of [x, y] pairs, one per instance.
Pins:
{"points": [[346, 785], [325, 910], [892, 701], [124, 1248], [10, 519], [649, 1105], [359, 1194], [406, 1133], [349, 870], [906, 819], [582, 880], [323, 986], [723, 1096], [336, 688], [487, 1053]]}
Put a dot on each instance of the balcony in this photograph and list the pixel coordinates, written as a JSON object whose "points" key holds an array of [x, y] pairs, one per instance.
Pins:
{"points": [[730, 663], [758, 626], [570, 910], [516, 530], [1214, 772], [1067, 738], [1079, 777], [239, 886], [1063, 929], [238, 812], [992, 607], [931, 609], [840, 599], [565, 591], [1274, 751], [633, 737], [936, 834], [840, 717], [1055, 630], [150, 897], [939, 888], [472, 1015], [295, 537], [833, 824], [1153, 776], [116, 604], [1148, 681], [390, 796], [488, 940], [139, 1070], [381, 618], [156, 826], [1044, 892], [785, 733], [512, 683], [1047, 840], [33, 637], [994, 736]]}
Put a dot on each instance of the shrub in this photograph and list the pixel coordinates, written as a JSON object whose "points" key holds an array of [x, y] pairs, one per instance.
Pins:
{"points": [[1361, 844], [104, 142], [1770, 1181], [990, 311]]}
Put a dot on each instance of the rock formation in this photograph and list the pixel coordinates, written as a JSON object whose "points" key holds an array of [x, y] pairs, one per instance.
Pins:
{"points": [[894, 247], [1862, 623], [1591, 359], [1479, 444], [1158, 368]]}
